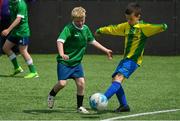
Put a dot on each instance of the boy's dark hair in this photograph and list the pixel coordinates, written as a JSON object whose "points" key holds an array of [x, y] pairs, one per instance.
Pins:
{"points": [[133, 8]]}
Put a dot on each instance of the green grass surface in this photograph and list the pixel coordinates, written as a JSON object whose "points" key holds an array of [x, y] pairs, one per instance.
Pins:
{"points": [[154, 86]]}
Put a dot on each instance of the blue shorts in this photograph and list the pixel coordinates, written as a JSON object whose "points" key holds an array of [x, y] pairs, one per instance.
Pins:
{"points": [[126, 67], [19, 40], [67, 72]]}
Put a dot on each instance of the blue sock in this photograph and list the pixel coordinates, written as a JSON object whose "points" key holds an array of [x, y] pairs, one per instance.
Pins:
{"points": [[112, 89], [121, 97]]}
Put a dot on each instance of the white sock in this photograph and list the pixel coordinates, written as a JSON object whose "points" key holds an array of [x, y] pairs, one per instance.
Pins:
{"points": [[29, 62], [12, 56]]}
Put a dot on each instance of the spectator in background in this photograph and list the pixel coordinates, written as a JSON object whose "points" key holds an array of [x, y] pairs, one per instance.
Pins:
{"points": [[19, 35], [5, 23]]}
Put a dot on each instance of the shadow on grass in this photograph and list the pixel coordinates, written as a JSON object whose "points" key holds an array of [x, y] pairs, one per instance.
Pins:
{"points": [[48, 111], [91, 115], [96, 115], [39, 111], [10, 76]]}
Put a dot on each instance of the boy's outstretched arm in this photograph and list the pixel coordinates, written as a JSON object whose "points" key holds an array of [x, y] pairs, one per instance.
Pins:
{"points": [[118, 30], [152, 29], [102, 48]]}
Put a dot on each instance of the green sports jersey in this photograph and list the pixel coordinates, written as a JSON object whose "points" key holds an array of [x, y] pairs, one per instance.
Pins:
{"points": [[18, 8], [75, 42]]}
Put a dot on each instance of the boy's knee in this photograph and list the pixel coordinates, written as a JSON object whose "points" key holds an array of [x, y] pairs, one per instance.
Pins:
{"points": [[62, 83], [5, 49], [81, 83], [119, 78], [23, 52]]}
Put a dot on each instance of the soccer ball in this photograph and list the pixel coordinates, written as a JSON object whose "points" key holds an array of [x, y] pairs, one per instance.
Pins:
{"points": [[98, 101]]}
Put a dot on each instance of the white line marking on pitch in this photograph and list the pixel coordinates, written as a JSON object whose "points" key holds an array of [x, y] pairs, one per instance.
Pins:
{"points": [[141, 114]]}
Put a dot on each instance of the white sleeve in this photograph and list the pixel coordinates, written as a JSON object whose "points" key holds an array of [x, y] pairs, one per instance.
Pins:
{"points": [[61, 40], [91, 42], [18, 15]]}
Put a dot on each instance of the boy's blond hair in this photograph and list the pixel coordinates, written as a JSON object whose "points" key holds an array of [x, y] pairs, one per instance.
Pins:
{"points": [[78, 12]]}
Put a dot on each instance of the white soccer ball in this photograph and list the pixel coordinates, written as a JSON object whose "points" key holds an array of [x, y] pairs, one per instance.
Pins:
{"points": [[98, 101]]}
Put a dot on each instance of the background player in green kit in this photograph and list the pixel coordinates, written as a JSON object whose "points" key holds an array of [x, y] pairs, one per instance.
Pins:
{"points": [[135, 32], [71, 45], [19, 35]]}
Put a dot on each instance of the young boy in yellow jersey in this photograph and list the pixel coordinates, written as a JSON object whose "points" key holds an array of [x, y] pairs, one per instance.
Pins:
{"points": [[135, 32]]}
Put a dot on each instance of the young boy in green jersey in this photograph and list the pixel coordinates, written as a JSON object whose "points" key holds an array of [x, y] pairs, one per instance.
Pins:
{"points": [[71, 44], [135, 32], [19, 35]]}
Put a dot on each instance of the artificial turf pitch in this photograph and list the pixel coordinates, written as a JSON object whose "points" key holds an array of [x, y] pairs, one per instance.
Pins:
{"points": [[154, 86]]}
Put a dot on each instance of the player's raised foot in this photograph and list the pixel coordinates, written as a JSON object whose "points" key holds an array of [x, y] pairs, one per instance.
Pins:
{"points": [[32, 75], [123, 109], [82, 110], [50, 101], [17, 71]]}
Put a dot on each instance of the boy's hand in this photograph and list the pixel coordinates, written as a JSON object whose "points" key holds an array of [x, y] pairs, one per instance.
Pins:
{"points": [[5, 32], [109, 53], [97, 33], [65, 57]]}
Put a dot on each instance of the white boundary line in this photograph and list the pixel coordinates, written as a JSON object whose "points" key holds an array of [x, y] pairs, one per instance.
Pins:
{"points": [[140, 114]]}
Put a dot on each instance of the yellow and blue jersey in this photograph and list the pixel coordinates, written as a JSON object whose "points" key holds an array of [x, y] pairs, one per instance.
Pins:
{"points": [[135, 37]]}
